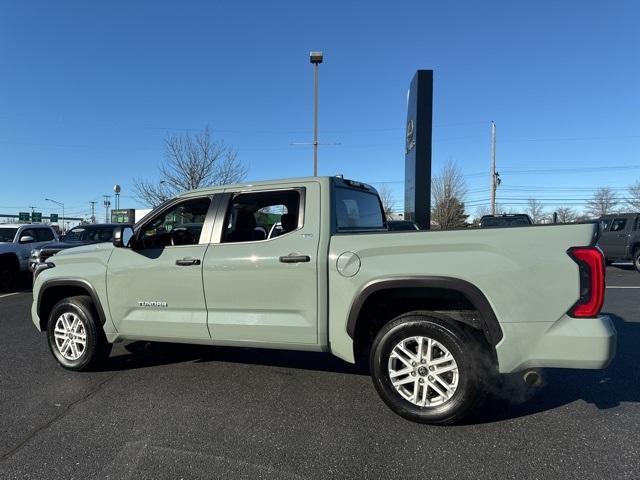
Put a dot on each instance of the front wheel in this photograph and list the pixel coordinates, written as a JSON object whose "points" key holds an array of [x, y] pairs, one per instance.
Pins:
{"points": [[427, 369], [636, 259], [75, 335]]}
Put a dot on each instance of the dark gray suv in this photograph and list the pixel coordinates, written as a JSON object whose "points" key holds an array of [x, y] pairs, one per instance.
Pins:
{"points": [[620, 238]]}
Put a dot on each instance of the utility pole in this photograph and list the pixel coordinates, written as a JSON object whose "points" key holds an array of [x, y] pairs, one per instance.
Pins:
{"points": [[107, 203], [495, 176], [93, 212], [316, 59]]}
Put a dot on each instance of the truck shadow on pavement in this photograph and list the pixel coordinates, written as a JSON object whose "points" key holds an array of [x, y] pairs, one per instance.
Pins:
{"points": [[148, 354], [510, 399], [620, 382]]}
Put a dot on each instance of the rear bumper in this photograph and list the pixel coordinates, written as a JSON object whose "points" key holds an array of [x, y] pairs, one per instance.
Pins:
{"points": [[585, 343]]}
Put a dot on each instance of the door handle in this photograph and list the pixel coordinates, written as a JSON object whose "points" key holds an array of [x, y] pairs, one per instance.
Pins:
{"points": [[293, 258], [187, 261]]}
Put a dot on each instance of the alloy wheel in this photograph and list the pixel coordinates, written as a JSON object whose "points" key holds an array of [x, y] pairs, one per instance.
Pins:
{"points": [[70, 336], [423, 371]]}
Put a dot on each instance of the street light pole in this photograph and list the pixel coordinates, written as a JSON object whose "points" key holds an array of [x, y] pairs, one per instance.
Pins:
{"points": [[60, 204], [315, 58]]}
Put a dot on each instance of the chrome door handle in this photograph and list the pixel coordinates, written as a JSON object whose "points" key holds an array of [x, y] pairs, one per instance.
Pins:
{"points": [[188, 261], [293, 258]]}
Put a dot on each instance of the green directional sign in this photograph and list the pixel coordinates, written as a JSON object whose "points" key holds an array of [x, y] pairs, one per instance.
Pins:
{"points": [[53, 217], [23, 216], [36, 217]]}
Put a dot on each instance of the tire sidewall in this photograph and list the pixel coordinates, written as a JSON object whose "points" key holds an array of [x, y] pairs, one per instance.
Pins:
{"points": [[452, 339], [83, 311], [636, 260]]}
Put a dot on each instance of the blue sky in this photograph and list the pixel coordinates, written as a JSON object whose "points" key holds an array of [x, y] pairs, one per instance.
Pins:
{"points": [[89, 90]]}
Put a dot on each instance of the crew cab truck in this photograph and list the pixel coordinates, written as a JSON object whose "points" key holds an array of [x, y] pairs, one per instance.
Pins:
{"points": [[436, 313], [620, 238]]}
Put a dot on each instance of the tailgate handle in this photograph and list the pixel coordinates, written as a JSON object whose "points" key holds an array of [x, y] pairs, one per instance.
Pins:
{"points": [[293, 258], [187, 261]]}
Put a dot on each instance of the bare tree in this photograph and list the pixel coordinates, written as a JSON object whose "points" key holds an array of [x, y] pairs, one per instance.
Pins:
{"points": [[535, 210], [448, 191], [634, 196], [604, 201], [191, 161], [386, 197], [566, 214]]}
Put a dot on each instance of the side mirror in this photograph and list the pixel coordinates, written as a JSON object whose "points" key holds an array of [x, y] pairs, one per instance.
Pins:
{"points": [[27, 239], [122, 236]]}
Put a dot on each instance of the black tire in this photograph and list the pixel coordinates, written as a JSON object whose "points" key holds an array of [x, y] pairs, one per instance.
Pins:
{"points": [[8, 276], [471, 358], [96, 349], [636, 259]]}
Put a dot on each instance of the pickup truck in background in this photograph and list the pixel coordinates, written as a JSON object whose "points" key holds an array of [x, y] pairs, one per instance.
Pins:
{"points": [[435, 313], [16, 242], [620, 238]]}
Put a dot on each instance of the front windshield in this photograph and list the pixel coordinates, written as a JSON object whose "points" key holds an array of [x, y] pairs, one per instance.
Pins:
{"points": [[74, 235], [7, 234]]}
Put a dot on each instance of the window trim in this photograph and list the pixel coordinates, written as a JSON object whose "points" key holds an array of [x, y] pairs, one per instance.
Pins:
{"points": [[205, 234], [226, 201]]}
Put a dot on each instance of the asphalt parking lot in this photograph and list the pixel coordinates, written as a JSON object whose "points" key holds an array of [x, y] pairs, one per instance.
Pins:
{"points": [[171, 411]]}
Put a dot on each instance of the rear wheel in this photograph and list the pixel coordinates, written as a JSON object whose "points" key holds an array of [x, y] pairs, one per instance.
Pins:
{"points": [[75, 335], [636, 259], [427, 369]]}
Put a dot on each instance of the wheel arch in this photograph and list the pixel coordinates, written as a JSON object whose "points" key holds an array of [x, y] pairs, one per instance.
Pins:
{"points": [[488, 322], [56, 289], [10, 257]]}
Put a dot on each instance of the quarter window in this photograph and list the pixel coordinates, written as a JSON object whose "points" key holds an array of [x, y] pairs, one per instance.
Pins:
{"points": [[179, 225]]}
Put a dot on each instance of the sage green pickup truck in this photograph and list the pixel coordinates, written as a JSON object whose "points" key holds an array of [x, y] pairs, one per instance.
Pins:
{"points": [[436, 313]]}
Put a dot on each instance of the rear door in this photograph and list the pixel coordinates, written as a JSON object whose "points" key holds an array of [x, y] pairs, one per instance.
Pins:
{"points": [[263, 290]]}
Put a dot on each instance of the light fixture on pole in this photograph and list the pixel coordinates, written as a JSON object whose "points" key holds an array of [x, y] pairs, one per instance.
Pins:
{"points": [[315, 58], [116, 190], [60, 204]]}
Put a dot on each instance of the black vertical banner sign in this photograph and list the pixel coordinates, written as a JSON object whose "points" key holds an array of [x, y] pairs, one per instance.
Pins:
{"points": [[417, 160]]}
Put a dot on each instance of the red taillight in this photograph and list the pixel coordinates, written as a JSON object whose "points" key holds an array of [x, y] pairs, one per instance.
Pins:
{"points": [[591, 267]]}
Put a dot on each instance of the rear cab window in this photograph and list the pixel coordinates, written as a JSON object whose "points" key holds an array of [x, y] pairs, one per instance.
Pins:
{"points": [[357, 208]]}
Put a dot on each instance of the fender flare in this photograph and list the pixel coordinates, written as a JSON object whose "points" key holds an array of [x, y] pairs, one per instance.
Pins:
{"points": [[72, 282], [490, 324]]}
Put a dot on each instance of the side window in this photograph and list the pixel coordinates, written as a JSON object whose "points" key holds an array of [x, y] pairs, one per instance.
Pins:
{"points": [[181, 224], [604, 224], [44, 235], [262, 215], [618, 224]]}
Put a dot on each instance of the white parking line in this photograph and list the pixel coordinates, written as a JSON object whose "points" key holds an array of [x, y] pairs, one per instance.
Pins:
{"points": [[9, 294], [613, 286]]}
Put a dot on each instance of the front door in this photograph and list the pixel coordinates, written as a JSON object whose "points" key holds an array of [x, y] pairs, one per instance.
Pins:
{"points": [[155, 287], [261, 281]]}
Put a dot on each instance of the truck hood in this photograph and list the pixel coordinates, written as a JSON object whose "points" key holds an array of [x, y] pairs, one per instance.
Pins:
{"points": [[73, 252]]}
